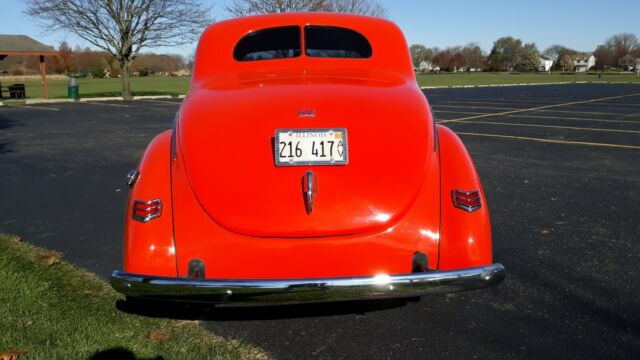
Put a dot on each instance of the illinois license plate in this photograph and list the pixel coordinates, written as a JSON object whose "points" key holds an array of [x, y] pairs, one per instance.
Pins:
{"points": [[295, 147]]}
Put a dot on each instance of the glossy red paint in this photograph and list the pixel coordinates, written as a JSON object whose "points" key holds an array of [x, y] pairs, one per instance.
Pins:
{"points": [[232, 255], [215, 67], [149, 247], [261, 199], [466, 236], [226, 203]]}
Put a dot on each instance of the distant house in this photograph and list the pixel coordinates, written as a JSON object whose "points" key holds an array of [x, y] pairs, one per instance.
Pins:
{"points": [[583, 62], [545, 64], [628, 62], [182, 72], [428, 66]]}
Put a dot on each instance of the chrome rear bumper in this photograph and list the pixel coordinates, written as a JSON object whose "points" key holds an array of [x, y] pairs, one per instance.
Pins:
{"points": [[283, 291]]}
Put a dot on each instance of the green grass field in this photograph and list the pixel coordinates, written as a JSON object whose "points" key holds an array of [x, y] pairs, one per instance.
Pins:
{"points": [[152, 85], [157, 85], [53, 310], [461, 79]]}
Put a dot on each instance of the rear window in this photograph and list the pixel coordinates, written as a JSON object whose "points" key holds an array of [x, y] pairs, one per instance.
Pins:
{"points": [[274, 43], [335, 42]]}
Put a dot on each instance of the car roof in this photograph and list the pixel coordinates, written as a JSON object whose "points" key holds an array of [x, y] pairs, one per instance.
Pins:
{"points": [[214, 60]]}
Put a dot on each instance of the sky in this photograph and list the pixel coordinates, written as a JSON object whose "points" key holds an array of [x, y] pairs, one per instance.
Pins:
{"points": [[581, 25]]}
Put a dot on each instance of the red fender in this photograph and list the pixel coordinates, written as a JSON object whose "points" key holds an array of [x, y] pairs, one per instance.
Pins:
{"points": [[465, 237], [149, 247]]}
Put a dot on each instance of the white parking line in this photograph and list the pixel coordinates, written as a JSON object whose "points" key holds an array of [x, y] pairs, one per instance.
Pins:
{"points": [[573, 118], [538, 108], [101, 103], [493, 101], [549, 126], [524, 110], [562, 118], [550, 140], [621, 102], [162, 102], [580, 112], [435, 106], [36, 107], [630, 115]]}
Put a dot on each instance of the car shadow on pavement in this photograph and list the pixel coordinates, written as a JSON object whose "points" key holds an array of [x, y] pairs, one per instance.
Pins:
{"points": [[212, 312], [120, 354], [6, 123], [5, 148]]}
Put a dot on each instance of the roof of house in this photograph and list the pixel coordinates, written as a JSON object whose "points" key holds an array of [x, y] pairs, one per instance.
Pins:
{"points": [[583, 56], [23, 44]]}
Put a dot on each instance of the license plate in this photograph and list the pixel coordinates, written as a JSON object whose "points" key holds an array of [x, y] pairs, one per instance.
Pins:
{"points": [[296, 147]]}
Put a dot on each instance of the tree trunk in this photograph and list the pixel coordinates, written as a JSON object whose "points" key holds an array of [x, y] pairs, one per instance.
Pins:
{"points": [[126, 85]]}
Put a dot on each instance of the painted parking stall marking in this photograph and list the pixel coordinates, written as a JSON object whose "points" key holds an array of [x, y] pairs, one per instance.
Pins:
{"points": [[596, 121]]}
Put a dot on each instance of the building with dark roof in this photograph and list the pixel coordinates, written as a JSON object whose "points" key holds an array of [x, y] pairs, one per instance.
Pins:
{"points": [[22, 45]]}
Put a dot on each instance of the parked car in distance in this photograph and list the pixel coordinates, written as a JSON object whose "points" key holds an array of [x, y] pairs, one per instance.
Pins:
{"points": [[304, 165]]}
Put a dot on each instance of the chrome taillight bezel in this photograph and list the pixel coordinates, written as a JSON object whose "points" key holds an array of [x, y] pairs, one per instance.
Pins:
{"points": [[152, 209], [469, 201]]}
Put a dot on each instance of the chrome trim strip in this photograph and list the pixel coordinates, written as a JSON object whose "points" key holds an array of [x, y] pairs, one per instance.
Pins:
{"points": [[309, 189], [284, 291]]}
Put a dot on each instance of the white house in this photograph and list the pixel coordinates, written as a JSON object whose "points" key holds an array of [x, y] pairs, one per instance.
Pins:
{"points": [[545, 64], [427, 66], [583, 62]]}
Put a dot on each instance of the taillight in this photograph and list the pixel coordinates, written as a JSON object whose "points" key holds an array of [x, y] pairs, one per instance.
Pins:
{"points": [[466, 200], [144, 211]]}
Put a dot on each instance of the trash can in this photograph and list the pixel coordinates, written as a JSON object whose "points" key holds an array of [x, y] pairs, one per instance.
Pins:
{"points": [[73, 90], [16, 91]]}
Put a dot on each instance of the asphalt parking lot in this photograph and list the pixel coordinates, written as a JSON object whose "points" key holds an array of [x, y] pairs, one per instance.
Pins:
{"points": [[561, 168]]}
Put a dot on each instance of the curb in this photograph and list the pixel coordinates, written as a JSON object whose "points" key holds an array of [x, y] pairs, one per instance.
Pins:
{"points": [[152, 97], [110, 98], [526, 84], [46, 101]]}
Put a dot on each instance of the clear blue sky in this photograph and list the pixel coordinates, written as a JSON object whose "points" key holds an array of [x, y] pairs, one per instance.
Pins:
{"points": [[581, 25]]}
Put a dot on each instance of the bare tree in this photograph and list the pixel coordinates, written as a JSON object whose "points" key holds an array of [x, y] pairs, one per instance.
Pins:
{"points": [[621, 45], [565, 63], [553, 52], [252, 7], [419, 53], [474, 56], [124, 27], [617, 50], [362, 7]]}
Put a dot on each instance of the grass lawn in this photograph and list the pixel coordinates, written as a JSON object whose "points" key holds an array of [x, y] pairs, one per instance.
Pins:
{"points": [[162, 85], [485, 78], [52, 310], [152, 85]]}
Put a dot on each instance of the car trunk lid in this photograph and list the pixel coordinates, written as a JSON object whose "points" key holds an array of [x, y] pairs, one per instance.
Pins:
{"points": [[226, 140]]}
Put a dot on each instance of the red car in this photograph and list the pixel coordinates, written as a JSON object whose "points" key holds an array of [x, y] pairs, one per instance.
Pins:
{"points": [[304, 165]]}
